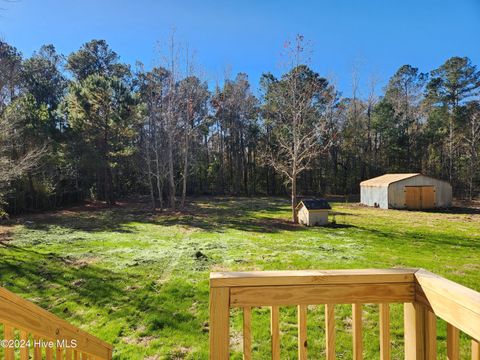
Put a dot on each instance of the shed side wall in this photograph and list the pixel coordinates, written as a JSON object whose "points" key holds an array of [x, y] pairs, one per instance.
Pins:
{"points": [[371, 195]]}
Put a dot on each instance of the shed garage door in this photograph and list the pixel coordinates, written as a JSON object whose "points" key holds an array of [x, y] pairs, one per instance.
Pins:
{"points": [[419, 197]]}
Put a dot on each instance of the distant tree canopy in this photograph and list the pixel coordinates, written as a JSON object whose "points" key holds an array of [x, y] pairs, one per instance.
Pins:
{"points": [[87, 125]]}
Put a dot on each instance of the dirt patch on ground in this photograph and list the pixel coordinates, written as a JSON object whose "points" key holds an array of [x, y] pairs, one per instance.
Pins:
{"points": [[83, 262], [6, 232], [236, 341], [142, 340], [281, 224], [131, 206], [180, 352]]}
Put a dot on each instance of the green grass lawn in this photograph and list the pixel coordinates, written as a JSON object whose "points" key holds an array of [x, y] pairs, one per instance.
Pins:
{"points": [[140, 280]]}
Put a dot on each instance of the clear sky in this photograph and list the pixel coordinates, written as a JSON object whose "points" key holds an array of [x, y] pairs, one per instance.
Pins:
{"points": [[376, 35]]}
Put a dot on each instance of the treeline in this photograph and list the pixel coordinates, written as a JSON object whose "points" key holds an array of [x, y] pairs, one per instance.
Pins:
{"points": [[88, 125]]}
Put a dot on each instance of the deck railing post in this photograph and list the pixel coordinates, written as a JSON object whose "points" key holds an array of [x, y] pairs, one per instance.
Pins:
{"points": [[219, 323], [415, 331], [475, 350], [430, 335]]}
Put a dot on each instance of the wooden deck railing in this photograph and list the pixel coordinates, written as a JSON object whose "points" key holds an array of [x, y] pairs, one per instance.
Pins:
{"points": [[425, 296], [30, 332]]}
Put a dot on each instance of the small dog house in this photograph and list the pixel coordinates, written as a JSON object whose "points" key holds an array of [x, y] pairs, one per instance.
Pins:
{"points": [[313, 212]]}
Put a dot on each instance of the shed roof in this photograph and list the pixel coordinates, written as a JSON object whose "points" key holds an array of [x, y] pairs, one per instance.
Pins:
{"points": [[315, 204], [387, 179]]}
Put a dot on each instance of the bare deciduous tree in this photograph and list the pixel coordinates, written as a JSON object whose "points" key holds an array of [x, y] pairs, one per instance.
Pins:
{"points": [[153, 88], [294, 112], [14, 162]]}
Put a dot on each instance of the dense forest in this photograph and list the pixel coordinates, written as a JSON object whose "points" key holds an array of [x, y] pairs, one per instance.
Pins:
{"points": [[87, 125]]}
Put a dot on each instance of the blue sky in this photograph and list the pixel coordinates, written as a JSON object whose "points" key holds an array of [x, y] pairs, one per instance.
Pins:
{"points": [[373, 35]]}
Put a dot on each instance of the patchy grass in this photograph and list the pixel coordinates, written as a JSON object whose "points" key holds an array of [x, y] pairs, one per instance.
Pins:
{"points": [[140, 280]]}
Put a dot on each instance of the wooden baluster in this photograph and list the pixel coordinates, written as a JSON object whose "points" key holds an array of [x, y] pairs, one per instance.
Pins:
{"points": [[48, 353], [302, 332], [384, 310], [330, 331], [37, 348], [275, 332], [68, 354], [219, 323], [24, 349], [414, 332], [357, 331], [8, 335], [58, 353], [453, 342], [76, 355], [247, 333], [475, 350], [430, 335]]}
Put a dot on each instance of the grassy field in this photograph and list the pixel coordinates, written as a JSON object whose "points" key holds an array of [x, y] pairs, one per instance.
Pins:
{"points": [[140, 280]]}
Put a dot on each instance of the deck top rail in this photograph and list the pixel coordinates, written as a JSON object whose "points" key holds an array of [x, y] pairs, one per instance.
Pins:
{"points": [[450, 301], [41, 327], [425, 296], [310, 277]]}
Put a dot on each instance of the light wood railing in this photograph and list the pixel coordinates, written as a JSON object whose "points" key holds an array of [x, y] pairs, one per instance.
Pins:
{"points": [[30, 332], [425, 296]]}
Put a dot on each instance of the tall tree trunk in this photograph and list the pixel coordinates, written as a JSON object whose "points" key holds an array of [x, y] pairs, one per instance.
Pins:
{"points": [[149, 174], [158, 175], [450, 151], [274, 183], [109, 194], [150, 185], [171, 178], [470, 187], [294, 199], [245, 168], [205, 185], [108, 179], [185, 172], [222, 159]]}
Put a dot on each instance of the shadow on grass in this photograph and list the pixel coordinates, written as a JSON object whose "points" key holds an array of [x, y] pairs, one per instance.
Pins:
{"points": [[332, 225], [61, 285], [341, 213], [94, 284], [457, 210], [426, 239], [210, 214]]}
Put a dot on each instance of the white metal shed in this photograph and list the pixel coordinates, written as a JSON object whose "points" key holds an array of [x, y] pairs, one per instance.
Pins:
{"points": [[406, 191]]}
